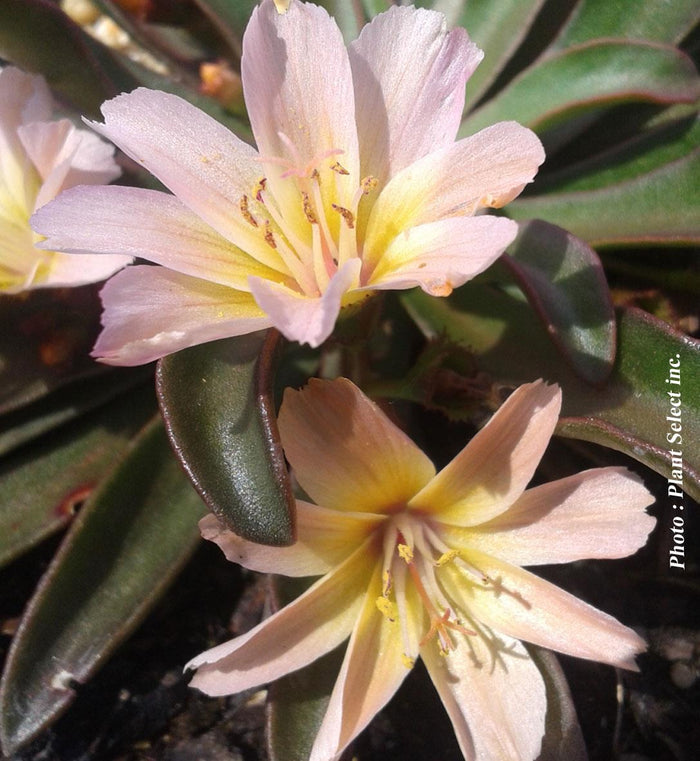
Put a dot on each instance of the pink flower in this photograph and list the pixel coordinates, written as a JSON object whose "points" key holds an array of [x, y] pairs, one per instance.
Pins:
{"points": [[414, 564], [38, 159], [357, 185]]}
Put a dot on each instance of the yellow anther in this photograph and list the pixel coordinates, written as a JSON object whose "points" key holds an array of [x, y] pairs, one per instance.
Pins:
{"points": [[447, 557], [339, 168], [269, 237], [405, 552], [346, 214], [368, 183], [309, 209], [387, 608], [407, 661], [245, 211]]}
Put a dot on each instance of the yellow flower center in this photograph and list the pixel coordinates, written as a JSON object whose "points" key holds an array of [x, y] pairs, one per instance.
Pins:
{"points": [[297, 213]]}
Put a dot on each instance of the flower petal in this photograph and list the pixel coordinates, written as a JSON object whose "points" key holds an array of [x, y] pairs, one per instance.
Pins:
{"points": [[409, 74], [346, 454], [440, 256], [68, 270], [152, 311], [518, 603], [299, 94], [492, 471], [65, 156], [148, 224], [324, 539], [203, 163], [306, 319], [595, 514], [298, 634], [487, 169], [496, 700], [374, 667]]}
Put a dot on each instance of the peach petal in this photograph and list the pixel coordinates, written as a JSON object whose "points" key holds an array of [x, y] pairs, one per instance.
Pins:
{"points": [[346, 454]]}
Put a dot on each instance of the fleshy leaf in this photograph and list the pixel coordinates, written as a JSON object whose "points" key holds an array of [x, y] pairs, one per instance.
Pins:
{"points": [[565, 283], [643, 192], [218, 410], [497, 30], [128, 542], [562, 734], [41, 485], [585, 79], [656, 20], [628, 413]]}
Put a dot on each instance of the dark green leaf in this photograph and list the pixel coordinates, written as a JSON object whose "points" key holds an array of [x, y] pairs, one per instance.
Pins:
{"points": [[216, 400], [41, 484], [565, 283], [586, 79], [125, 547], [629, 413], [656, 20]]}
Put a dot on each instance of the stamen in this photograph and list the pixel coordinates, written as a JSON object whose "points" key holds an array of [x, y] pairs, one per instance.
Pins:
{"points": [[245, 211], [346, 214], [387, 608], [269, 237], [257, 191], [339, 168], [405, 552], [309, 209], [367, 184]]}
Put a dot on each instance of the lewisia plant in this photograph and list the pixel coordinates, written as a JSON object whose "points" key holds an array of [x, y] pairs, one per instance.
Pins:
{"points": [[38, 159], [357, 185], [418, 564]]}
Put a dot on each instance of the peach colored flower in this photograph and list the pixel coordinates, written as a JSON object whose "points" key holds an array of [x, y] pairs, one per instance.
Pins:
{"points": [[414, 564], [357, 185], [38, 159]]}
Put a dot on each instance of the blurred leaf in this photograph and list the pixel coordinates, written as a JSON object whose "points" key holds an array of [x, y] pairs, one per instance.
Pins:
{"points": [[38, 37], [125, 547], [659, 206], [217, 403], [65, 404], [45, 342], [564, 281], [230, 18], [562, 736], [42, 484], [628, 413], [587, 78], [656, 20]]}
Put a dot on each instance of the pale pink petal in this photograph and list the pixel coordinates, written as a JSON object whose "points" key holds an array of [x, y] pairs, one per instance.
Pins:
{"points": [[152, 311], [295, 636], [298, 86], [65, 156], [346, 454], [518, 603], [374, 667], [202, 162], [69, 270], [485, 170], [440, 256], [409, 74], [492, 471], [494, 695], [147, 224], [306, 319], [324, 539], [595, 514]]}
